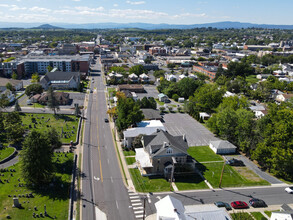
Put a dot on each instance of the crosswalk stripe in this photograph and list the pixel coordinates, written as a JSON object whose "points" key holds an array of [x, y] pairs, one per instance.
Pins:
{"points": [[136, 204], [138, 212], [138, 216], [140, 207], [135, 200], [132, 194]]}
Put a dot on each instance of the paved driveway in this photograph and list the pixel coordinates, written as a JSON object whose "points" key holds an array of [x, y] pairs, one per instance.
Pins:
{"points": [[151, 91], [271, 179], [196, 133]]}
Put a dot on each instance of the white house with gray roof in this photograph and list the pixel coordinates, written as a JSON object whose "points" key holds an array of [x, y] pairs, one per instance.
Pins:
{"points": [[222, 147]]}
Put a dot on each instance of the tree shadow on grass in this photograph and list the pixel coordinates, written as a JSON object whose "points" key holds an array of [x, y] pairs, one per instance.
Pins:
{"points": [[63, 168], [57, 190]]}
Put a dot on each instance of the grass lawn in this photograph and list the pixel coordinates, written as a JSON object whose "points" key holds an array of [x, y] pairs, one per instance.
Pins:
{"points": [[251, 79], [148, 184], [190, 182], [160, 103], [129, 153], [241, 216], [269, 213], [5, 152], [231, 178], [67, 122], [110, 91], [130, 160], [203, 154], [258, 216], [55, 198]]}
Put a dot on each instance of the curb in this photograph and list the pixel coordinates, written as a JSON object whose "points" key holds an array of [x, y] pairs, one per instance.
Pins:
{"points": [[9, 157]]}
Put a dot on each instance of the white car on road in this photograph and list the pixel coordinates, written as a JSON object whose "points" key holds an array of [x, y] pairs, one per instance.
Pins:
{"points": [[289, 189]]}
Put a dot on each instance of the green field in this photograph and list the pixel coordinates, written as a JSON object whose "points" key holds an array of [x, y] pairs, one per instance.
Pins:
{"points": [[231, 178], [6, 152], [129, 153], [241, 216], [148, 184], [190, 182], [67, 122], [130, 160], [203, 154], [258, 216], [56, 198], [251, 79]]}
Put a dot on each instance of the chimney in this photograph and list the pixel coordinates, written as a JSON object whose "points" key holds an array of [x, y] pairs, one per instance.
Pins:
{"points": [[165, 144], [184, 137]]}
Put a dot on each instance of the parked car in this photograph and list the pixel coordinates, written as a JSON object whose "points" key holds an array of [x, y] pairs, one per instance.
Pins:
{"points": [[223, 204], [257, 203], [106, 120], [239, 205], [235, 162], [289, 189]]}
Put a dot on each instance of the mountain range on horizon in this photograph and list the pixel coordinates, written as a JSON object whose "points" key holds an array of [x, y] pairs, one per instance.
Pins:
{"points": [[145, 26]]}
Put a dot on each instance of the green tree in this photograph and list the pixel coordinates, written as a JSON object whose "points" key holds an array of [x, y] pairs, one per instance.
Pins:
{"points": [[53, 139], [4, 102], [33, 89], [14, 76], [12, 126], [10, 87], [17, 107], [137, 69], [159, 73], [128, 113], [36, 159], [35, 78], [52, 101], [175, 97], [49, 68], [136, 143]]}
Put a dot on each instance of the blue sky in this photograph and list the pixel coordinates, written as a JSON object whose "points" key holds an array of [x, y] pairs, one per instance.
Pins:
{"points": [[147, 11]]}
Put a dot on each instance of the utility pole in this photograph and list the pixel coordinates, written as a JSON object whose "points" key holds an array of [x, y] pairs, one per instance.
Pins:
{"points": [[222, 175], [143, 217]]}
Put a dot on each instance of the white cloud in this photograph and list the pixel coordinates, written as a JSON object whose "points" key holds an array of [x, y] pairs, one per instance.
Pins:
{"points": [[189, 15], [84, 8], [135, 3], [38, 9], [115, 5], [16, 8], [76, 0]]}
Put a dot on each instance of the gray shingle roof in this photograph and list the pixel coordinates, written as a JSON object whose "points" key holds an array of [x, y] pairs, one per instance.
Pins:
{"points": [[222, 144], [155, 143]]}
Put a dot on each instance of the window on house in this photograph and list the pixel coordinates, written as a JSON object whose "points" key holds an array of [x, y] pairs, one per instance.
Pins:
{"points": [[169, 151]]}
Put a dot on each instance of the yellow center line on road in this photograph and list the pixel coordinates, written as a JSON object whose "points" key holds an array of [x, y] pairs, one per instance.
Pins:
{"points": [[101, 170]]}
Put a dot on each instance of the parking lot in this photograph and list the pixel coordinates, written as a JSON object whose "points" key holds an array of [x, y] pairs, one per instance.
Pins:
{"points": [[151, 91], [196, 133]]}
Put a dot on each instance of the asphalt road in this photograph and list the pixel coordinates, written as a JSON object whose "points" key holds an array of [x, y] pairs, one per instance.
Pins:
{"points": [[271, 195], [102, 183]]}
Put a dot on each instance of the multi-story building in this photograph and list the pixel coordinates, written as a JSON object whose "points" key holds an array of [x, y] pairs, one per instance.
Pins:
{"points": [[210, 71], [157, 51], [39, 64]]}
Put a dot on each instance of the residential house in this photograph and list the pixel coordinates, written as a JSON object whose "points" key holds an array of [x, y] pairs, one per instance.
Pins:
{"points": [[10, 96], [284, 97], [17, 84], [171, 77], [151, 114], [144, 78], [161, 153], [133, 78], [222, 147], [170, 208], [61, 97], [182, 76], [144, 127], [61, 80], [163, 97]]}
